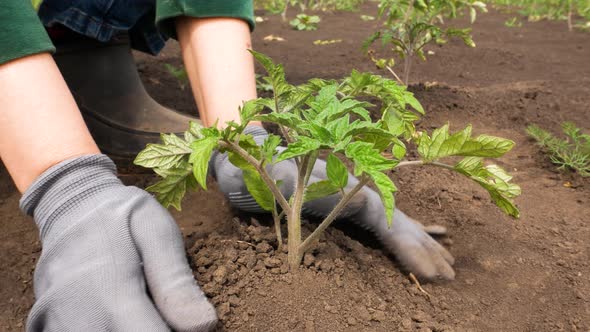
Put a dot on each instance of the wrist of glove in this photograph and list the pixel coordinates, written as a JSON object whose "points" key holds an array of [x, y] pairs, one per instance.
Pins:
{"points": [[406, 239], [105, 246]]}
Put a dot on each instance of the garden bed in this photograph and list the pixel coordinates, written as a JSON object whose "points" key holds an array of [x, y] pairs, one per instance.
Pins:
{"points": [[512, 275]]}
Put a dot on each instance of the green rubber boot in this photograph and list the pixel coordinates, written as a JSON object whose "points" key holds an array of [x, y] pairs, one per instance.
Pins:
{"points": [[118, 111]]}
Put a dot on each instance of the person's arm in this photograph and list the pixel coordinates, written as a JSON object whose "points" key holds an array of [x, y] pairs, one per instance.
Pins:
{"points": [[215, 38], [107, 241], [219, 66], [104, 244], [40, 124]]}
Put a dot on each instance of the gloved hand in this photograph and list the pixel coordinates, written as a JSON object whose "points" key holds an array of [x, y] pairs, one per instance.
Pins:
{"points": [[407, 239], [113, 259]]}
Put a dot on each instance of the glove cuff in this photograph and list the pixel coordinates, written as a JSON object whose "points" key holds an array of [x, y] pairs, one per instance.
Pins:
{"points": [[65, 185]]}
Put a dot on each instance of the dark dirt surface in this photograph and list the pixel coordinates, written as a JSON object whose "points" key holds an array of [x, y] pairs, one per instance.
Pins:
{"points": [[531, 274]]}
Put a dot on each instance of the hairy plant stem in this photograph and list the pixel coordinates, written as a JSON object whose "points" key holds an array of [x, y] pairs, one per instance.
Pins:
{"points": [[407, 66], [277, 219], [284, 13], [294, 217], [330, 218], [569, 16], [312, 159], [262, 171], [408, 57], [421, 163]]}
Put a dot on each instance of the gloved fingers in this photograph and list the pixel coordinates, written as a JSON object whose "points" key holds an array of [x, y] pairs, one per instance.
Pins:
{"points": [[424, 260], [105, 304], [416, 259], [442, 251], [431, 229], [177, 296], [417, 251], [441, 260], [145, 316], [435, 230], [323, 206]]}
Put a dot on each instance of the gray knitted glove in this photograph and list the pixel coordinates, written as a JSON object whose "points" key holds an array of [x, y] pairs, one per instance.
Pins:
{"points": [[407, 239], [113, 259]]}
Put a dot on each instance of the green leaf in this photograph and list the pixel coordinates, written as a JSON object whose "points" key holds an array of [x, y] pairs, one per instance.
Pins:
{"points": [[337, 172], [400, 122], [276, 74], [339, 127], [249, 110], [259, 190], [202, 151], [399, 150], [320, 189], [240, 162], [314, 19], [386, 188], [172, 188], [360, 129], [441, 144], [367, 159], [248, 143], [161, 156], [179, 73], [412, 101], [269, 147], [302, 146], [195, 129], [493, 179], [317, 131], [289, 120], [172, 139], [467, 40]]}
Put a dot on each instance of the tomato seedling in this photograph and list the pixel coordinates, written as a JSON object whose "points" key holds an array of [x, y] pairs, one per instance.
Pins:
{"points": [[304, 22], [575, 12], [410, 25], [327, 116], [572, 153]]}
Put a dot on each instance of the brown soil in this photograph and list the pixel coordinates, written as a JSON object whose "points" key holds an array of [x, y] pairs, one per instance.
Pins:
{"points": [[532, 274]]}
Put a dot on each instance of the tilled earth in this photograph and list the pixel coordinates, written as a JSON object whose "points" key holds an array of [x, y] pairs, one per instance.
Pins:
{"points": [[531, 274]]}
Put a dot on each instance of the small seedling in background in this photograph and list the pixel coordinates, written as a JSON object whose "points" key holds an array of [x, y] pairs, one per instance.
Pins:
{"points": [[513, 23], [567, 10], [328, 117], [282, 6], [411, 25], [572, 153], [367, 18], [262, 85], [304, 22], [178, 73]]}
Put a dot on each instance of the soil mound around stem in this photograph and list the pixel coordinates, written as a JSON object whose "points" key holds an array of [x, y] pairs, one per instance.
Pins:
{"points": [[342, 285]]}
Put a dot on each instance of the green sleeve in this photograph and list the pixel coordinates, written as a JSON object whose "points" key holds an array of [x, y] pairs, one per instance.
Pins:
{"points": [[21, 32], [167, 10]]}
